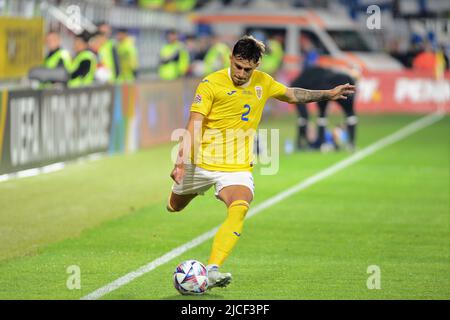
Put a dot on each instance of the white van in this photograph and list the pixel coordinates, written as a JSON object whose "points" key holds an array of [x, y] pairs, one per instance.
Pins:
{"points": [[335, 38]]}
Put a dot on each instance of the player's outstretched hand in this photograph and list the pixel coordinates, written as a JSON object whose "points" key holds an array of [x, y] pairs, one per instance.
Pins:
{"points": [[342, 91], [177, 173]]}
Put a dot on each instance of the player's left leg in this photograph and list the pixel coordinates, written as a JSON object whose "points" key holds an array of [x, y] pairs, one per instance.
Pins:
{"points": [[237, 198]]}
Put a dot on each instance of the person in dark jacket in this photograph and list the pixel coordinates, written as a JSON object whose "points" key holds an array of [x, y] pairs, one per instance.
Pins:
{"points": [[317, 78]]}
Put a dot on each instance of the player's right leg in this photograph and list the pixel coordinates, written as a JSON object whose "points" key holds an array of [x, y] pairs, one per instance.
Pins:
{"points": [[194, 182]]}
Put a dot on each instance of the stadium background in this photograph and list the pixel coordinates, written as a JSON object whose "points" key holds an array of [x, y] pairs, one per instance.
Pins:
{"points": [[84, 171]]}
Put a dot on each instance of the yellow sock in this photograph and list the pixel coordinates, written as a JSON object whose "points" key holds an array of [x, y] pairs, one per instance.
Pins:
{"points": [[229, 232]]}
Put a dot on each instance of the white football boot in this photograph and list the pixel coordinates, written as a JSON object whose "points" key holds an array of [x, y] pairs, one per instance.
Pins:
{"points": [[217, 278]]}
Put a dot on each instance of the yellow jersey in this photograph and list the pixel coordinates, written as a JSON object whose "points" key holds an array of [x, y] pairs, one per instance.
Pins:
{"points": [[232, 115]]}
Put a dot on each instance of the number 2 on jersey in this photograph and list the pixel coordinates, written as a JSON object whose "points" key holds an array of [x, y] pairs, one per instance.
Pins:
{"points": [[245, 114]]}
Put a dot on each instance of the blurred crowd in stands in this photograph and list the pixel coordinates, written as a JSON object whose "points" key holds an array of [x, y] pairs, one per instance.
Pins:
{"points": [[110, 55], [424, 52], [179, 5], [104, 57], [96, 58]]}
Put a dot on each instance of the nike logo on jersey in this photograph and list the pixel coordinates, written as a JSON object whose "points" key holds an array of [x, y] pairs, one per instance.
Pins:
{"points": [[238, 234], [231, 92]]}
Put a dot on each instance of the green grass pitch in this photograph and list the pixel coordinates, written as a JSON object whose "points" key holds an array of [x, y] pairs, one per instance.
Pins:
{"points": [[108, 217]]}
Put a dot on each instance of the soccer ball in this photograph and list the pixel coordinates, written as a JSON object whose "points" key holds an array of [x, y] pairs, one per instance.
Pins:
{"points": [[190, 278]]}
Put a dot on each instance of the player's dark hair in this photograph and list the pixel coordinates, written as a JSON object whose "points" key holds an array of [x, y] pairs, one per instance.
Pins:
{"points": [[248, 48]]}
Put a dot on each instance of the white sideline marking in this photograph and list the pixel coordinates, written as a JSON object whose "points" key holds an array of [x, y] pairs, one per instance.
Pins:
{"points": [[398, 135], [50, 168]]}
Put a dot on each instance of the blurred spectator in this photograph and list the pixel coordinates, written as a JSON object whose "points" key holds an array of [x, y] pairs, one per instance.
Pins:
{"points": [[151, 4], [425, 60], [180, 5], [273, 58], [83, 67], [108, 68], [128, 58], [56, 56], [393, 47], [192, 47], [174, 58], [416, 47], [432, 58], [105, 28], [217, 57], [422, 54], [309, 52], [319, 78], [195, 56]]}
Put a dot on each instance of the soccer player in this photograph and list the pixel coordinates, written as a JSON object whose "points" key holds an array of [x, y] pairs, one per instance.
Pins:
{"points": [[228, 104]]}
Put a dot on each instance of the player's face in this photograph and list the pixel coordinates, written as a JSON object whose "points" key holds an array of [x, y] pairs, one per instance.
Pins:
{"points": [[241, 70]]}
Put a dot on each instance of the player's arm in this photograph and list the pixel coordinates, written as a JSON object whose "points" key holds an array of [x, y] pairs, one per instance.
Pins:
{"points": [[187, 145], [299, 95]]}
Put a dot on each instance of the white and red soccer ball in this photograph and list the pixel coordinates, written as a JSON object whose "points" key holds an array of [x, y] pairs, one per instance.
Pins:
{"points": [[190, 278]]}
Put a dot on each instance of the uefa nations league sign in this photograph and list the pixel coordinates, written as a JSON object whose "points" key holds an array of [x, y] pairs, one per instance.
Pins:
{"points": [[44, 127]]}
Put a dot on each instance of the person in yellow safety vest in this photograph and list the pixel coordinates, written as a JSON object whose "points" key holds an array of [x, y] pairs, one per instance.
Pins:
{"points": [[151, 4], [108, 58], [128, 57], [56, 56], [272, 60], [83, 66], [217, 57], [174, 58], [185, 5]]}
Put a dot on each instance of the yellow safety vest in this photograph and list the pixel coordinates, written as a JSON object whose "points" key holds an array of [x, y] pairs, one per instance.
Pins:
{"points": [[175, 61], [217, 58], [53, 61], [106, 58], [89, 77], [128, 59]]}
